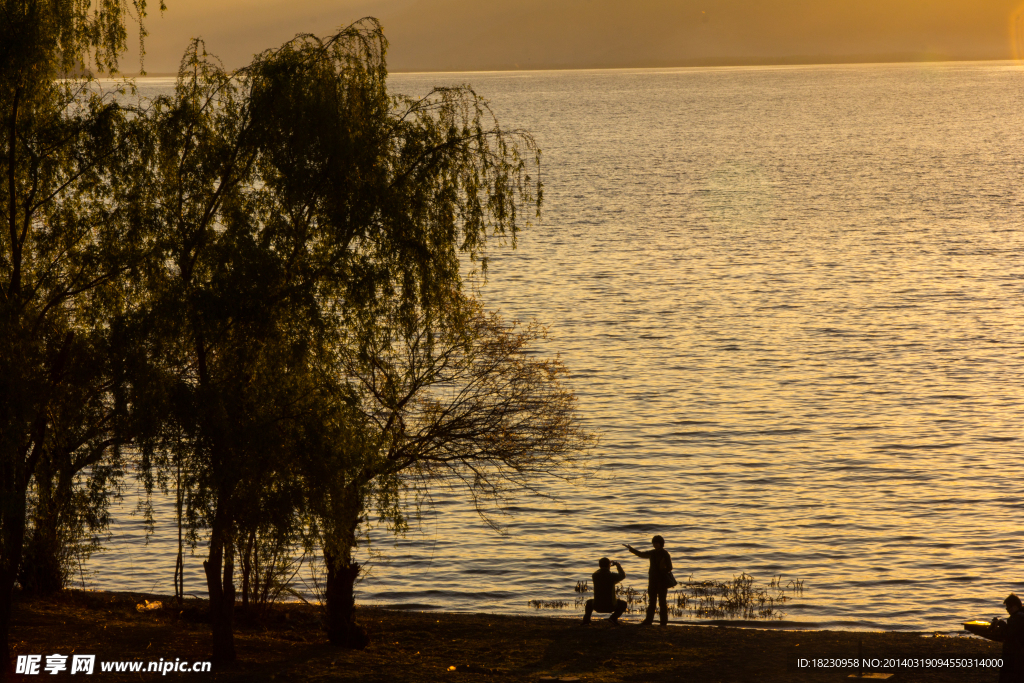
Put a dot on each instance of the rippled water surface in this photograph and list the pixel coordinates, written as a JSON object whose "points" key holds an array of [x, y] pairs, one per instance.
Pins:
{"points": [[791, 302]]}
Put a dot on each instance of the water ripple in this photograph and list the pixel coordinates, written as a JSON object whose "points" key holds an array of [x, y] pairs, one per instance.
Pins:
{"points": [[790, 303]]}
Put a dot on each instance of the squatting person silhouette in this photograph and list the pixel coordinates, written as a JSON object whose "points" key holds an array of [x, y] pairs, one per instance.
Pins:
{"points": [[604, 592], [658, 578]]}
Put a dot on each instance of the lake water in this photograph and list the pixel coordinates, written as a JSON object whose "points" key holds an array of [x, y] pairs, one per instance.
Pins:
{"points": [[791, 302]]}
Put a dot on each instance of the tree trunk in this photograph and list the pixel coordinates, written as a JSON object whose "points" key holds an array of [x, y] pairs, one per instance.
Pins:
{"points": [[41, 572], [221, 586], [342, 629], [6, 600], [6, 604], [179, 565], [247, 585], [12, 538]]}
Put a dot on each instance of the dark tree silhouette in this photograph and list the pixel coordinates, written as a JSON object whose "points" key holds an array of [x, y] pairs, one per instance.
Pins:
{"points": [[452, 397], [68, 160], [294, 196]]}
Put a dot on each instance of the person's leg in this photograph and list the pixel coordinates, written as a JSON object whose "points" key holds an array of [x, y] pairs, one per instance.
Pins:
{"points": [[588, 611], [620, 607], [652, 599], [663, 601]]}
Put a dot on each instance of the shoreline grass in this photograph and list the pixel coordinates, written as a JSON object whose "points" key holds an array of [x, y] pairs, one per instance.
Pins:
{"points": [[740, 598]]}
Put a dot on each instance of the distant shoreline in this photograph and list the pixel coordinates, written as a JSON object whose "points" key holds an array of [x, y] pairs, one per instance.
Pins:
{"points": [[286, 643], [692, 64]]}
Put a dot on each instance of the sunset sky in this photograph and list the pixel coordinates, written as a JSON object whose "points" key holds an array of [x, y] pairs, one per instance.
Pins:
{"points": [[431, 35]]}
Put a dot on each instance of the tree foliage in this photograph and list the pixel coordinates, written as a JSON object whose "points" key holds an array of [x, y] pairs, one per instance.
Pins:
{"points": [[70, 237], [41, 39], [257, 282], [293, 197]]}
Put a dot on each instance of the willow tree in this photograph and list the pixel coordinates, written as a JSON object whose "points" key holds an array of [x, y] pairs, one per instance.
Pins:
{"points": [[293, 195], [66, 169], [391, 193], [222, 315], [450, 396]]}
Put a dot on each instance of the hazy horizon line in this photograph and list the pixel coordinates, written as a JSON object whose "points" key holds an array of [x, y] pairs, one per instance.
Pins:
{"points": [[689, 64]]}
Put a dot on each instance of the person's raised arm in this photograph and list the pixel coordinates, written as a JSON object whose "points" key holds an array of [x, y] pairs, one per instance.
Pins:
{"points": [[622, 573], [638, 553]]}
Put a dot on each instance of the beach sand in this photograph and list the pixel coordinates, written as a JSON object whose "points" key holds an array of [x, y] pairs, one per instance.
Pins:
{"points": [[286, 644]]}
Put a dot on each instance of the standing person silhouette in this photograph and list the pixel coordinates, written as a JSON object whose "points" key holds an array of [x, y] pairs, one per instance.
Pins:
{"points": [[657, 578]]}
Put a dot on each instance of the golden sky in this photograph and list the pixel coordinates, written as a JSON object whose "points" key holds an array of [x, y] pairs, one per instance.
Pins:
{"points": [[428, 35]]}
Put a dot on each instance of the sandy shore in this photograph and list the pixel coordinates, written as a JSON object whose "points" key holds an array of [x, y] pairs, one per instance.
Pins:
{"points": [[287, 644]]}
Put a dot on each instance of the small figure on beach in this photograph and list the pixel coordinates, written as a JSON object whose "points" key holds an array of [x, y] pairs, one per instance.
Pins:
{"points": [[1011, 633], [604, 600], [659, 579]]}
